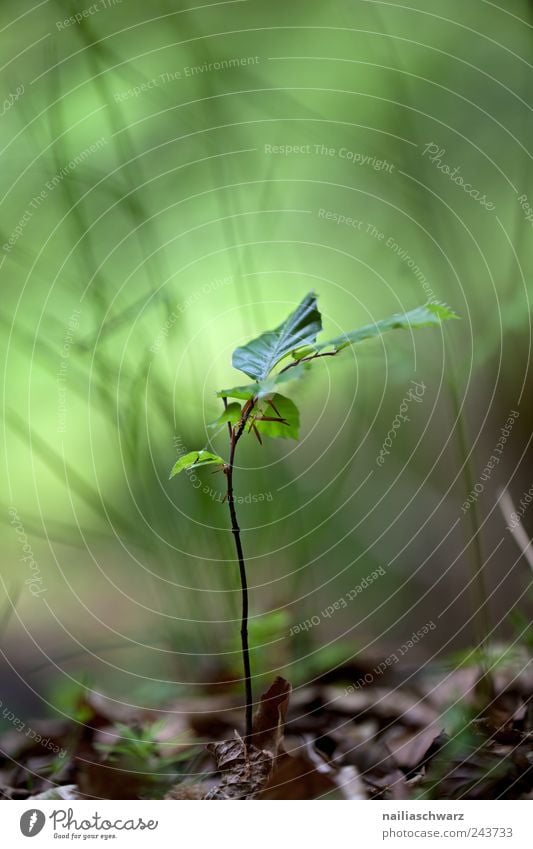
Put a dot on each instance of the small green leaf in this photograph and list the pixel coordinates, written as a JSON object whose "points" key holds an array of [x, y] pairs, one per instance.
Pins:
{"points": [[243, 392], [265, 387], [299, 353], [430, 314], [258, 357], [231, 414], [195, 458], [278, 406]]}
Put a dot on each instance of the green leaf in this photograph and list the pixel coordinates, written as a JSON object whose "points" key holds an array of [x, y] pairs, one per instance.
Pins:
{"points": [[231, 414], [193, 459], [430, 314], [258, 357], [299, 353], [268, 627], [243, 392], [265, 387], [278, 406]]}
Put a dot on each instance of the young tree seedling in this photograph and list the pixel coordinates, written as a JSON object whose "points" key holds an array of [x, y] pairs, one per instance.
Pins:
{"points": [[261, 409]]}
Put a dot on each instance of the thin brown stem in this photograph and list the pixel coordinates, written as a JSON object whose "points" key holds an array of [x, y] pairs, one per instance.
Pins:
{"points": [[235, 434], [308, 359]]}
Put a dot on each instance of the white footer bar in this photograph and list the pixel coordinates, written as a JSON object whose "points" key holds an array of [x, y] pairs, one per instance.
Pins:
{"points": [[264, 825]]}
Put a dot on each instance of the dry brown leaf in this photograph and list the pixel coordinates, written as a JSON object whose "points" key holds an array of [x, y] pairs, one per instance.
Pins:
{"points": [[64, 793], [296, 778], [482, 772], [410, 747], [246, 769], [271, 715], [385, 704]]}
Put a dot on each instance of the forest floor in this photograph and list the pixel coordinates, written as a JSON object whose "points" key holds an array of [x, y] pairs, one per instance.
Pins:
{"points": [[442, 734]]}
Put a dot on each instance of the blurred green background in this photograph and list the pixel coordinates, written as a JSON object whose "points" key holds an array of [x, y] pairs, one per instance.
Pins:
{"points": [[167, 174]]}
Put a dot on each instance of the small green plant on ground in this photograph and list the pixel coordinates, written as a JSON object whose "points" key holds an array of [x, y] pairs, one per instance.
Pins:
{"points": [[261, 409], [139, 749]]}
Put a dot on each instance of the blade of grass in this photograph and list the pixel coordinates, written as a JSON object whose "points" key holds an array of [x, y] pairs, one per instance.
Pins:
{"points": [[65, 473]]}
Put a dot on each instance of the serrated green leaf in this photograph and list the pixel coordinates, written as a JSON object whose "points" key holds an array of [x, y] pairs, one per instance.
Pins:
{"points": [[195, 458], [261, 355], [430, 314], [263, 388], [278, 406], [231, 414]]}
